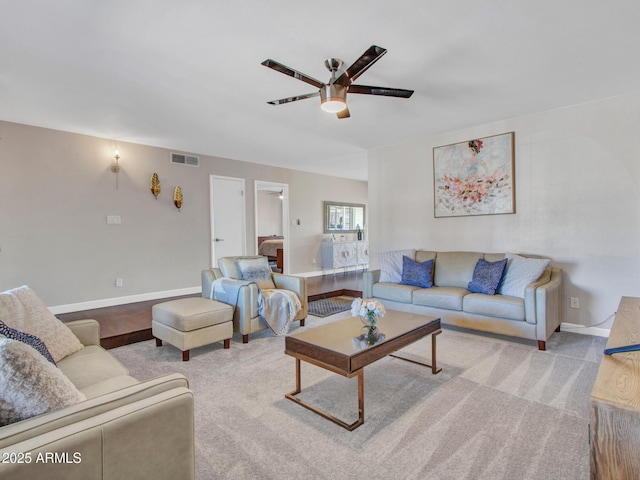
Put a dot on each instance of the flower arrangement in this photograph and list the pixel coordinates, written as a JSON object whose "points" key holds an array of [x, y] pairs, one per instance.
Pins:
{"points": [[368, 310]]}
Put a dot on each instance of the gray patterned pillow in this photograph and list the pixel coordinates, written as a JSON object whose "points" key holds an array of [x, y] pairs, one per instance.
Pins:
{"points": [[27, 338], [487, 276], [256, 270]]}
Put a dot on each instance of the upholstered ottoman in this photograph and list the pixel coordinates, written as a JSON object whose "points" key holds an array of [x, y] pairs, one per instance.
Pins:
{"points": [[192, 322]]}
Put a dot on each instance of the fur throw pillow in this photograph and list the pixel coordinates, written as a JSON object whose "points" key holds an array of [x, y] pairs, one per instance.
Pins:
{"points": [[30, 384]]}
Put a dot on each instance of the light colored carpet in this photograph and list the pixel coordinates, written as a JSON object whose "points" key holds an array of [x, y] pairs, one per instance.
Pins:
{"points": [[498, 410]]}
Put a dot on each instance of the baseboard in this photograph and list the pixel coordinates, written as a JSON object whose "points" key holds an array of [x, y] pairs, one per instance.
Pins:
{"points": [[110, 302], [575, 328]]}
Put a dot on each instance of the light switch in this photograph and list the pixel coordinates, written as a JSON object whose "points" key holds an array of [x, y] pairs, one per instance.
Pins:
{"points": [[114, 220]]}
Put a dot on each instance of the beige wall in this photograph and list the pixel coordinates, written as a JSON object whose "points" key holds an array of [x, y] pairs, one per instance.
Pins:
{"points": [[577, 200], [57, 190]]}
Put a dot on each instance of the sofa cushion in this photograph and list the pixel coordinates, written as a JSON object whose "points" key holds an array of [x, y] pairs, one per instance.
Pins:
{"points": [[440, 297], [455, 269], [31, 340], [23, 310], [498, 306], [394, 291], [520, 272], [30, 384], [391, 264], [91, 365], [487, 276], [417, 274], [256, 270]]}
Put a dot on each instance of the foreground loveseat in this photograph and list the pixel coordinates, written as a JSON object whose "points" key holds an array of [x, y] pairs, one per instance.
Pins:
{"points": [[120, 428], [534, 314]]}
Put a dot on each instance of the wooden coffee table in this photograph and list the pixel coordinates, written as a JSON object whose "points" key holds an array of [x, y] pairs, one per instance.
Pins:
{"points": [[332, 347]]}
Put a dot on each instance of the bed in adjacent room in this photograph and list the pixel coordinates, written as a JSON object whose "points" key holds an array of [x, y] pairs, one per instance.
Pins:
{"points": [[272, 248]]}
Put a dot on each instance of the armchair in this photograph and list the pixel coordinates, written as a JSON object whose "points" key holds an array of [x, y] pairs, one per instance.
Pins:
{"points": [[245, 317]]}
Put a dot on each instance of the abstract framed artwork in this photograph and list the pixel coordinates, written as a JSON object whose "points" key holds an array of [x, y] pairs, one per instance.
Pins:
{"points": [[475, 177]]}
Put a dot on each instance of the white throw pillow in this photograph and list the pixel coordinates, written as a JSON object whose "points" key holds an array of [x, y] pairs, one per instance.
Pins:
{"points": [[30, 384], [521, 271], [23, 310], [391, 264]]}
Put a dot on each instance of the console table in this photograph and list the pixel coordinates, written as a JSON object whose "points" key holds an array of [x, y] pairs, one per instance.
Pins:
{"points": [[615, 401], [344, 254]]}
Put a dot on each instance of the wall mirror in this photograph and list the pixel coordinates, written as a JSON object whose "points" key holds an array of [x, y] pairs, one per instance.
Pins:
{"points": [[343, 217]]}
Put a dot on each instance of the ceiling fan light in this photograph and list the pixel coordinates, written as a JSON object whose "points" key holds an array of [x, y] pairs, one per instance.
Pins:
{"points": [[333, 98], [333, 106]]}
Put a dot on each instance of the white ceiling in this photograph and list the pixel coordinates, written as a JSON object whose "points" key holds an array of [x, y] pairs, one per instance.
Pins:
{"points": [[186, 74]]}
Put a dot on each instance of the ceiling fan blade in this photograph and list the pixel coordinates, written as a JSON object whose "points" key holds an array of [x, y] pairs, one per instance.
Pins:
{"points": [[278, 67], [389, 92], [368, 58], [344, 113], [293, 99]]}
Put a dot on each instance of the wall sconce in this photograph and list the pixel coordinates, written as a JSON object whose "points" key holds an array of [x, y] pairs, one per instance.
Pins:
{"points": [[177, 198], [154, 185], [115, 168]]}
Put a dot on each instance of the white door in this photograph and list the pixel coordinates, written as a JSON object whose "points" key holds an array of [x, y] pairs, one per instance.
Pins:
{"points": [[228, 225]]}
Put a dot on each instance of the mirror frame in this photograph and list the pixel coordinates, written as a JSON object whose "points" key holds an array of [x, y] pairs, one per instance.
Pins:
{"points": [[328, 205]]}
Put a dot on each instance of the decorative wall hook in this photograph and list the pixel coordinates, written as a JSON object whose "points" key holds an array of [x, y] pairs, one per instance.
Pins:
{"points": [[177, 197], [154, 185]]}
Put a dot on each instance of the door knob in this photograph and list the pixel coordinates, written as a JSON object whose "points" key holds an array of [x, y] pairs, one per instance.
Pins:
{"points": [[218, 239]]}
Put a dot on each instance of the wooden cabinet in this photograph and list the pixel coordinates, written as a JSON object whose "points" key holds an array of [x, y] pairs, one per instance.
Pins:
{"points": [[615, 401], [344, 254]]}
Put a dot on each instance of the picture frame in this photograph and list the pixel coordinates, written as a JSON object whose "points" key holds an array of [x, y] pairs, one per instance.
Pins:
{"points": [[475, 177]]}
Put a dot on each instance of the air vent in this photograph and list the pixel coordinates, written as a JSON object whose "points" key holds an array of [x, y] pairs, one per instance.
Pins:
{"points": [[182, 159]]}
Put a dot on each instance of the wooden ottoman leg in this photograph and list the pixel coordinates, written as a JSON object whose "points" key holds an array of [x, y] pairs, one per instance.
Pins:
{"points": [[227, 342], [302, 322], [245, 338], [185, 356], [158, 342]]}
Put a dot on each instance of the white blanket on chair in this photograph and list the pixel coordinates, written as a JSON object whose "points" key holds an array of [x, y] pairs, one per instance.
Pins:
{"points": [[277, 307]]}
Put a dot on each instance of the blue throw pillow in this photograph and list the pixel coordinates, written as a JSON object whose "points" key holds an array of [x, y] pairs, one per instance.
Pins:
{"points": [[31, 340], [487, 276], [417, 274]]}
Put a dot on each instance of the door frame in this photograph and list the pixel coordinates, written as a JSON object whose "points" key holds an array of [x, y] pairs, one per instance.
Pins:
{"points": [[265, 185], [241, 181]]}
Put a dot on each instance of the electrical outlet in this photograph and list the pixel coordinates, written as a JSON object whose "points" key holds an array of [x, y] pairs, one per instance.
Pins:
{"points": [[575, 302], [119, 282], [114, 220]]}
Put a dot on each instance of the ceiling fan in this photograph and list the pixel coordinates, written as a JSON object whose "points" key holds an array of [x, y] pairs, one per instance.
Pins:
{"points": [[333, 95]]}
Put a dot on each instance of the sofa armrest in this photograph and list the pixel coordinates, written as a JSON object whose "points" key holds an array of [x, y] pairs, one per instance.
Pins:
{"points": [[207, 277], [297, 285], [369, 278], [87, 331], [290, 282], [150, 437], [549, 305], [42, 424]]}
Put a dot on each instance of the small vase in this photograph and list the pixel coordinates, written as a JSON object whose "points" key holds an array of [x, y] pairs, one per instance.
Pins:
{"points": [[370, 335], [370, 320]]}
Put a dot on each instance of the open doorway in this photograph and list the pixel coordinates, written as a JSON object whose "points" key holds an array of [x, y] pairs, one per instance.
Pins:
{"points": [[272, 223]]}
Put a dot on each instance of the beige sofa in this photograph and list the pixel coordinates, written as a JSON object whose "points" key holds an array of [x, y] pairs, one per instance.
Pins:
{"points": [[535, 317], [124, 429], [245, 318]]}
